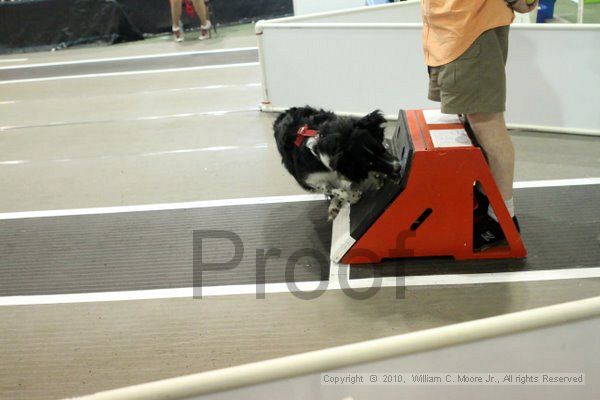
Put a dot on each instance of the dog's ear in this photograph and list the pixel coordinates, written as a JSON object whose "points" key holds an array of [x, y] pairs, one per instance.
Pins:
{"points": [[372, 121]]}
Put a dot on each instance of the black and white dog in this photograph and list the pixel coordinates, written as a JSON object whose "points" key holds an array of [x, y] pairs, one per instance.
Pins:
{"points": [[341, 157]]}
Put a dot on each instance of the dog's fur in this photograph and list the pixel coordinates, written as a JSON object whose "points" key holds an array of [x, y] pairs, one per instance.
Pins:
{"points": [[347, 158]]}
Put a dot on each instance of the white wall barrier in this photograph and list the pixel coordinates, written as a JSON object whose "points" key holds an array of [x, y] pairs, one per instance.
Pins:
{"points": [[406, 11], [553, 71], [559, 340], [302, 7]]}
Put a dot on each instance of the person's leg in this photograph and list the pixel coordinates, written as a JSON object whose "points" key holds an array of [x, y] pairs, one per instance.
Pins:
{"points": [[205, 24], [200, 10], [489, 127], [475, 85], [175, 12], [175, 18], [492, 135]]}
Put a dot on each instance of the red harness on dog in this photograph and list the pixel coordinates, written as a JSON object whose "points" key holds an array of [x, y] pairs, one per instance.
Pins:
{"points": [[303, 133]]}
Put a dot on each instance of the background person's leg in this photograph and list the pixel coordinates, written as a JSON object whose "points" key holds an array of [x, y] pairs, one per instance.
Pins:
{"points": [[205, 24], [175, 12], [175, 18], [200, 10]]}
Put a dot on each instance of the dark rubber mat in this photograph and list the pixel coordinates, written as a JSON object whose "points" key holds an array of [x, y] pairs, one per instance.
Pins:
{"points": [[560, 227], [155, 249], [143, 64]]}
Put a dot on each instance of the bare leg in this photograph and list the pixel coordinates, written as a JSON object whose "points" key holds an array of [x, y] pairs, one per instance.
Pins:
{"points": [[200, 10], [491, 133], [175, 12]]}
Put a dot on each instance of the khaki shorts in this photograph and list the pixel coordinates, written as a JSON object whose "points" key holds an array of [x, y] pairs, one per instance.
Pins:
{"points": [[475, 81]]}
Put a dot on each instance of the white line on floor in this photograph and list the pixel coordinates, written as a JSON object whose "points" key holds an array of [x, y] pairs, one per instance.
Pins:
{"points": [[125, 73], [208, 87], [217, 113], [14, 162], [12, 60], [211, 149], [338, 271], [557, 182], [160, 91], [161, 207], [98, 60], [243, 201], [272, 288]]}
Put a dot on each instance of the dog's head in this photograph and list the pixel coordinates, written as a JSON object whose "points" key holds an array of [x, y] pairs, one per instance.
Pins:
{"points": [[354, 147]]}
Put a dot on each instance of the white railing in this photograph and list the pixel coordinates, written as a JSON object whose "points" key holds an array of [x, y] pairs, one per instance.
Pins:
{"points": [[558, 338]]}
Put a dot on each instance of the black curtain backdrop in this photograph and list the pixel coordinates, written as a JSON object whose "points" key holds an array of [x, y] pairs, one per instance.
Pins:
{"points": [[27, 25]]}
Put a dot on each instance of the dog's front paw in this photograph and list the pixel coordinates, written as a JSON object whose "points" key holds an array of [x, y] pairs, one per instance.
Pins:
{"points": [[378, 179], [332, 213], [351, 196], [339, 194], [334, 208], [354, 196]]}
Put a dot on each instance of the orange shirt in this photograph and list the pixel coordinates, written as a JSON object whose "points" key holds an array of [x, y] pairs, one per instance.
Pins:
{"points": [[451, 26]]}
